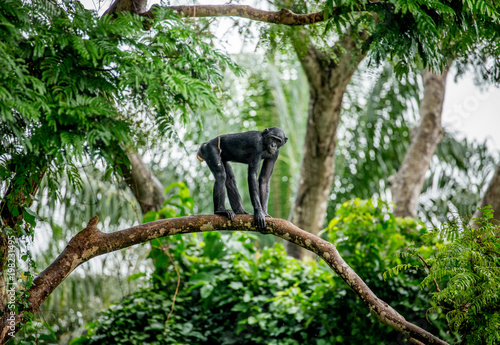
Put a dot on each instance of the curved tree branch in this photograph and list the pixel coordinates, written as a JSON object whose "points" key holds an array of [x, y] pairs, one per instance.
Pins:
{"points": [[284, 17], [91, 242]]}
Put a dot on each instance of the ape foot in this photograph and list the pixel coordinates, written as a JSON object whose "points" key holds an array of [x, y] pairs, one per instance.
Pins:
{"points": [[228, 213]]}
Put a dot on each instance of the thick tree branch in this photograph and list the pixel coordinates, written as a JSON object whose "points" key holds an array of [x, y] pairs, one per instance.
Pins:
{"points": [[285, 17], [146, 188], [91, 242]]}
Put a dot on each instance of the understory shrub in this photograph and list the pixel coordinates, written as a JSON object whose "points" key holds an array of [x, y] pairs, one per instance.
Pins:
{"points": [[231, 292]]}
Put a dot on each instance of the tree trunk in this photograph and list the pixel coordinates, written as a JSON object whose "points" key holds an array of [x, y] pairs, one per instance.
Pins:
{"points": [[492, 196], [406, 184], [328, 78], [146, 187]]}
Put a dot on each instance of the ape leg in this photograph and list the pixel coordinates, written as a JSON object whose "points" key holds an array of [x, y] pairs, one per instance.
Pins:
{"points": [[211, 156], [232, 191]]}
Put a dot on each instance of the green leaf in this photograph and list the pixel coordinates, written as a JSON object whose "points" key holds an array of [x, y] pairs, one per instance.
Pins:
{"points": [[236, 285], [206, 290]]}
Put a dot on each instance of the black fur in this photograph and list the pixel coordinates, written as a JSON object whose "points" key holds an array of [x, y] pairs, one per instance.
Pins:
{"points": [[248, 148]]}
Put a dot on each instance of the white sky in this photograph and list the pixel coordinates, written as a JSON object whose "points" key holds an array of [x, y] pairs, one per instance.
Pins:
{"points": [[471, 112]]}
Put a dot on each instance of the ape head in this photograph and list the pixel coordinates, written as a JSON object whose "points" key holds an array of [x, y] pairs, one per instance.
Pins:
{"points": [[273, 139]]}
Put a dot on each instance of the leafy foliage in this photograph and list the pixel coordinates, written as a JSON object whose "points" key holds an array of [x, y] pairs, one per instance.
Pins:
{"points": [[178, 204], [464, 271], [232, 293], [374, 133], [76, 87], [459, 174], [414, 32]]}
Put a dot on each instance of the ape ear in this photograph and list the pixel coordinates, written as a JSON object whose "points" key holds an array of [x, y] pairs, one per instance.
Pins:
{"points": [[286, 139], [265, 131]]}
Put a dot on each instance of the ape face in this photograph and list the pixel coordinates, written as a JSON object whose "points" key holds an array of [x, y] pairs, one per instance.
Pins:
{"points": [[274, 138]]}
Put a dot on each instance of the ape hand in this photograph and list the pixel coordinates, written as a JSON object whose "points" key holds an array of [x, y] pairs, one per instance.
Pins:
{"points": [[260, 219]]}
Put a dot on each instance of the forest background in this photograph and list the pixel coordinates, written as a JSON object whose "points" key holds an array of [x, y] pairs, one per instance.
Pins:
{"points": [[132, 160]]}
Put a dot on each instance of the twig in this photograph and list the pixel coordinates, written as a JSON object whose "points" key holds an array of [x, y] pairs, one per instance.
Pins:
{"points": [[434, 280], [165, 249], [429, 268]]}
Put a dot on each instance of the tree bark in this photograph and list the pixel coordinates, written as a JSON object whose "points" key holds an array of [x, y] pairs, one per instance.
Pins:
{"points": [[283, 17], [406, 184], [328, 78], [146, 188], [91, 242], [492, 196], [132, 6]]}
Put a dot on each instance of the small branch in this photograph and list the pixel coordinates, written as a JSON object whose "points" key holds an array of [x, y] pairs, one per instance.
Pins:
{"points": [[429, 269], [166, 250], [425, 262], [91, 242], [434, 280]]}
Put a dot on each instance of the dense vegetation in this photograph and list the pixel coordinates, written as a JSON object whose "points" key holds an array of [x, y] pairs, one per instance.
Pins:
{"points": [[71, 93], [79, 92], [232, 293], [464, 271]]}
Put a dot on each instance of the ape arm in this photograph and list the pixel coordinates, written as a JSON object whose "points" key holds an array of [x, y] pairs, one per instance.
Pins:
{"points": [[253, 188], [264, 180]]}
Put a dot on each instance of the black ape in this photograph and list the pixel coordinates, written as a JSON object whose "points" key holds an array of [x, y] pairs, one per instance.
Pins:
{"points": [[249, 148]]}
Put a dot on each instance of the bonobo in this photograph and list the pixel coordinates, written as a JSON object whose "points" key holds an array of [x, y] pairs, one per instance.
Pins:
{"points": [[248, 148]]}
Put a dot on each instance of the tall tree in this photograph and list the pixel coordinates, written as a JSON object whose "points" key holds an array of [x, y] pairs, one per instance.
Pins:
{"points": [[406, 185], [328, 75]]}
